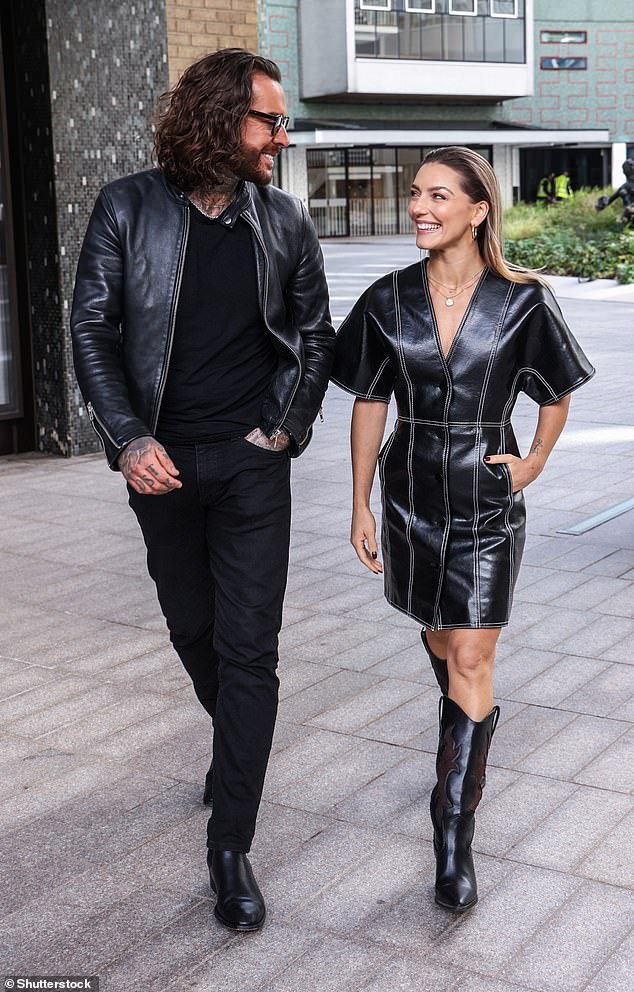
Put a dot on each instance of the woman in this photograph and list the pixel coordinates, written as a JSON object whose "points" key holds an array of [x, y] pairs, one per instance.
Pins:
{"points": [[456, 338]]}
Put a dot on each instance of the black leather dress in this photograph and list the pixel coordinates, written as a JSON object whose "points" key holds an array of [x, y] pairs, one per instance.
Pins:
{"points": [[453, 530]]}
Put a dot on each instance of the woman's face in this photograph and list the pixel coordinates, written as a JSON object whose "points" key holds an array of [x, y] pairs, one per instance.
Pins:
{"points": [[441, 211]]}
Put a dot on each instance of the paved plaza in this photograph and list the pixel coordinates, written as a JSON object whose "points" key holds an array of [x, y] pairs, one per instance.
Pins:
{"points": [[103, 747]]}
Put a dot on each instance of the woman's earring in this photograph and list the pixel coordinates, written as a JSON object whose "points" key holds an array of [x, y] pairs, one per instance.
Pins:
{"points": [[474, 231]]}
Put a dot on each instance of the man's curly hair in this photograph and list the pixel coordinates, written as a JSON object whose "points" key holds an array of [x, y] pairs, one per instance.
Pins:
{"points": [[199, 121]]}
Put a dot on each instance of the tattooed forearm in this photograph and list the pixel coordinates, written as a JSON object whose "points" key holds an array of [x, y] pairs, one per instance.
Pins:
{"points": [[538, 444]]}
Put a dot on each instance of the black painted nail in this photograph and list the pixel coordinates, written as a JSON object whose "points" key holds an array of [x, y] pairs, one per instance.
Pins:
{"points": [[374, 554]]}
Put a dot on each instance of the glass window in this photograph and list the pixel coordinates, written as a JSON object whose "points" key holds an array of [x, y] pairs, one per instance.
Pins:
{"points": [[431, 37], [563, 37], [453, 39], [410, 36], [387, 35], [376, 4], [494, 39], [503, 8], [548, 62], [467, 8], [513, 40], [473, 39], [424, 6], [482, 31]]}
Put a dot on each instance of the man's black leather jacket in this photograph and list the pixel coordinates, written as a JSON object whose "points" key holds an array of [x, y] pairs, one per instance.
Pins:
{"points": [[126, 295]]}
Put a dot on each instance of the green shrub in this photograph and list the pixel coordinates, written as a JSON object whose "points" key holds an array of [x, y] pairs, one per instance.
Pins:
{"points": [[571, 238]]}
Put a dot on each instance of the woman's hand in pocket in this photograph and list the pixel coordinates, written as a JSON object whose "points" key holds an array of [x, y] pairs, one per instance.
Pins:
{"points": [[523, 471]]}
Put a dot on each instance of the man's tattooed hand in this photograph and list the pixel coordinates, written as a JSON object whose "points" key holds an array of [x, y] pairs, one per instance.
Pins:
{"points": [[147, 467]]}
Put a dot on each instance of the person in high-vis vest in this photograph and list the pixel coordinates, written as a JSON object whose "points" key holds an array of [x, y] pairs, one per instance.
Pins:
{"points": [[563, 189], [546, 189]]}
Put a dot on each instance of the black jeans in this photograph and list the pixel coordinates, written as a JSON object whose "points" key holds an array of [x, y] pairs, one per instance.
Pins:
{"points": [[217, 550]]}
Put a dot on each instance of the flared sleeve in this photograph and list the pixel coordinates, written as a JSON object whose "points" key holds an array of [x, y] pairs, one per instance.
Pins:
{"points": [[551, 360], [362, 364]]}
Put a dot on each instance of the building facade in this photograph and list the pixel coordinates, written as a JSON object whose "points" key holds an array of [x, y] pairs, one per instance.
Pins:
{"points": [[371, 85], [374, 83]]}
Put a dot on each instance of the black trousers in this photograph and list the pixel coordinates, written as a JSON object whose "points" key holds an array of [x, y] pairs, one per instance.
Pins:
{"points": [[217, 550]]}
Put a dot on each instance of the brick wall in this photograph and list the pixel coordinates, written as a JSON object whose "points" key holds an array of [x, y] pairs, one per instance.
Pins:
{"points": [[196, 27]]}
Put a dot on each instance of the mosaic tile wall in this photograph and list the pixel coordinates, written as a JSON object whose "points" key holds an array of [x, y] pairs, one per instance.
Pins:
{"points": [[35, 151], [107, 67]]}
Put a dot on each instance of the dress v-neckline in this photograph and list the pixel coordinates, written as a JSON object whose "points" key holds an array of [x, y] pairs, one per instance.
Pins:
{"points": [[430, 303]]}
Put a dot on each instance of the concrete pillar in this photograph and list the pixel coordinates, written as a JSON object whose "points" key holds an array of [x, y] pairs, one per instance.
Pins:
{"points": [[503, 168], [295, 172], [515, 171], [619, 154]]}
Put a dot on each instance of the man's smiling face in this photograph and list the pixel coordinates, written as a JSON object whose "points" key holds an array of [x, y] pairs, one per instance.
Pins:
{"points": [[259, 147]]}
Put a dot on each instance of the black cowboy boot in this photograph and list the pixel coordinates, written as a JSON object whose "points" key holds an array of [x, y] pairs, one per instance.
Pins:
{"points": [[439, 665], [208, 792], [460, 766], [239, 903]]}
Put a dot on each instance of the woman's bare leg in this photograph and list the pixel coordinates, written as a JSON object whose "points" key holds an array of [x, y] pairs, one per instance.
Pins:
{"points": [[470, 659]]}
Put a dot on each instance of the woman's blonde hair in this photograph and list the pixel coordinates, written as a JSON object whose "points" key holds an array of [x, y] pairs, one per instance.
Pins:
{"points": [[479, 182]]}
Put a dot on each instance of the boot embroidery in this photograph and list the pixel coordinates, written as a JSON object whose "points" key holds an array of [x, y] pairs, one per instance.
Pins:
{"points": [[448, 762]]}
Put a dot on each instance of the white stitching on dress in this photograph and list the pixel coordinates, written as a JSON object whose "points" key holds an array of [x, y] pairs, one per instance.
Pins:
{"points": [[376, 378], [456, 423], [362, 396], [445, 454], [507, 524], [385, 530], [476, 471], [410, 447]]}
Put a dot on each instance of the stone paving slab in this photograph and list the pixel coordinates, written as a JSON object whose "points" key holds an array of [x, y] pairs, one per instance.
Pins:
{"points": [[103, 747]]}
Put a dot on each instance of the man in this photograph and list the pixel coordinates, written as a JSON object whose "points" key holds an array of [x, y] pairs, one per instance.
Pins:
{"points": [[563, 187], [546, 189], [203, 344]]}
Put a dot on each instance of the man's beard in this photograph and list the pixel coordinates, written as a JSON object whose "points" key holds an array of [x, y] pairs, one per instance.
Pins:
{"points": [[250, 166]]}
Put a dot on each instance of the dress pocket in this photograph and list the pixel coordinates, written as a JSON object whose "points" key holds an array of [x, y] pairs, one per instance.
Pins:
{"points": [[495, 482]]}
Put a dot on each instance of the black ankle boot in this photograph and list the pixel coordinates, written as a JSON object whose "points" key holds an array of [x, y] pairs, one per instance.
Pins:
{"points": [[460, 766], [439, 666], [208, 793], [239, 903]]}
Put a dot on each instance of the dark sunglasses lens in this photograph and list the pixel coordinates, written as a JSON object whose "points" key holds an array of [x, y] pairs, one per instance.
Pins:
{"points": [[281, 122]]}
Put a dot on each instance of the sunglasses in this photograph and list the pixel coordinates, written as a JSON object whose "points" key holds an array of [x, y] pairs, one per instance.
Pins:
{"points": [[277, 121]]}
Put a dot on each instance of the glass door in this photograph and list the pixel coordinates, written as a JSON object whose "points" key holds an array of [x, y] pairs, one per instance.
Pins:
{"points": [[384, 191], [327, 192], [360, 192]]}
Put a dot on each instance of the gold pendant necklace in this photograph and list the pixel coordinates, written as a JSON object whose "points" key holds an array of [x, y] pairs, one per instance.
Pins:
{"points": [[451, 299]]}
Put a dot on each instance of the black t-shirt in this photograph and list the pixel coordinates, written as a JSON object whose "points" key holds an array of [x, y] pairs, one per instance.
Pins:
{"points": [[222, 357]]}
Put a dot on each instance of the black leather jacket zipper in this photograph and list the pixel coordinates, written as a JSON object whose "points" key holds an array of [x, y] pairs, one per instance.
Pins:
{"points": [[95, 420], [172, 325], [265, 296]]}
